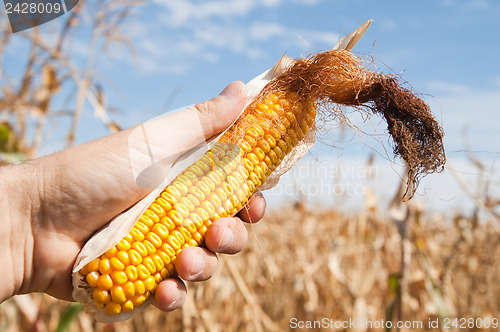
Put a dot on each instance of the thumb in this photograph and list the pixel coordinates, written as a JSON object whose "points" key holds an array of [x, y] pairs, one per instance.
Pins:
{"points": [[169, 136], [217, 114], [156, 144]]}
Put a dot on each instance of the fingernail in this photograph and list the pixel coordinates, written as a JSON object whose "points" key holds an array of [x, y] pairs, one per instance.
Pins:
{"points": [[258, 194], [175, 299], [232, 90], [226, 238], [197, 267]]}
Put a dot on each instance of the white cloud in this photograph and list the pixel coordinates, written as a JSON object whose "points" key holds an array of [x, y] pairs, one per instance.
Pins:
{"points": [[266, 30], [180, 34], [388, 24], [183, 12], [448, 87], [472, 5]]}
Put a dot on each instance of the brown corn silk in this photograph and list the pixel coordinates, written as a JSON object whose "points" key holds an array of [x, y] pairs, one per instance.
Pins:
{"points": [[337, 77], [267, 133]]}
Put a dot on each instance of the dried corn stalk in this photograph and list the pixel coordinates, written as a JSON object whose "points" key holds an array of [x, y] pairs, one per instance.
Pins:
{"points": [[120, 267]]}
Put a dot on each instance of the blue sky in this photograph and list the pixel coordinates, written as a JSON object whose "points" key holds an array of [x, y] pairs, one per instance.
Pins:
{"points": [[187, 51]]}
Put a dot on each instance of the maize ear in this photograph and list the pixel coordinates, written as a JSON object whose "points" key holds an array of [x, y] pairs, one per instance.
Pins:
{"points": [[217, 185]]}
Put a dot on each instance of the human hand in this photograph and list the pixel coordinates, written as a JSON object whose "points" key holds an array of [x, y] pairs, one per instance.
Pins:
{"points": [[53, 205]]}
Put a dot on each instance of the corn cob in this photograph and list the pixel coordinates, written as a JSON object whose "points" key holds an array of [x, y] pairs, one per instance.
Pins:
{"points": [[217, 185]]}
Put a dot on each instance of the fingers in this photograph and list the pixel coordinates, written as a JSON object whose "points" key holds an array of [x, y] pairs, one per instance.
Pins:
{"points": [[196, 264], [170, 294], [254, 210], [226, 235]]}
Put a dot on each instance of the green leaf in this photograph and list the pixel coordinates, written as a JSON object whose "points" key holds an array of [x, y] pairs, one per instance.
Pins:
{"points": [[13, 158], [393, 284], [68, 316], [7, 139]]}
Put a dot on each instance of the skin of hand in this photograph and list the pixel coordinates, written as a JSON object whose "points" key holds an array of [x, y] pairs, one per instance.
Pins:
{"points": [[51, 206]]}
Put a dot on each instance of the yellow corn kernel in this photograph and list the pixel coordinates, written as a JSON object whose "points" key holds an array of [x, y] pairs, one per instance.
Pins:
{"points": [[136, 235], [161, 231], [123, 257], [163, 256], [93, 265], [101, 296], [182, 209], [111, 252], [147, 221], [116, 264], [168, 223], [158, 262], [187, 203], [141, 227], [152, 215], [119, 277], [138, 300], [135, 257], [140, 248], [139, 287], [113, 308], [150, 284], [173, 242], [149, 264], [84, 270], [158, 278], [117, 294], [129, 289], [184, 232], [176, 217], [189, 225], [92, 278], [105, 282], [171, 269], [131, 272], [197, 193], [127, 306], [104, 266], [154, 239], [181, 187], [123, 245], [142, 272], [198, 238], [149, 247], [157, 209]]}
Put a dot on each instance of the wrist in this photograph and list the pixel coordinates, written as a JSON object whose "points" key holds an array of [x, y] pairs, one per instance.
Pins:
{"points": [[16, 239]]}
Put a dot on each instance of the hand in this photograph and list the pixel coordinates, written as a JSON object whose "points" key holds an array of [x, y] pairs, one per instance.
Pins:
{"points": [[51, 206]]}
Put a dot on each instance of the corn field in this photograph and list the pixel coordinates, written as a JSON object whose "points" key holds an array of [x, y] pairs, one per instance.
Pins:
{"points": [[307, 265]]}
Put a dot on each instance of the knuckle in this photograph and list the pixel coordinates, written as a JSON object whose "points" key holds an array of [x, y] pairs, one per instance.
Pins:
{"points": [[205, 107]]}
